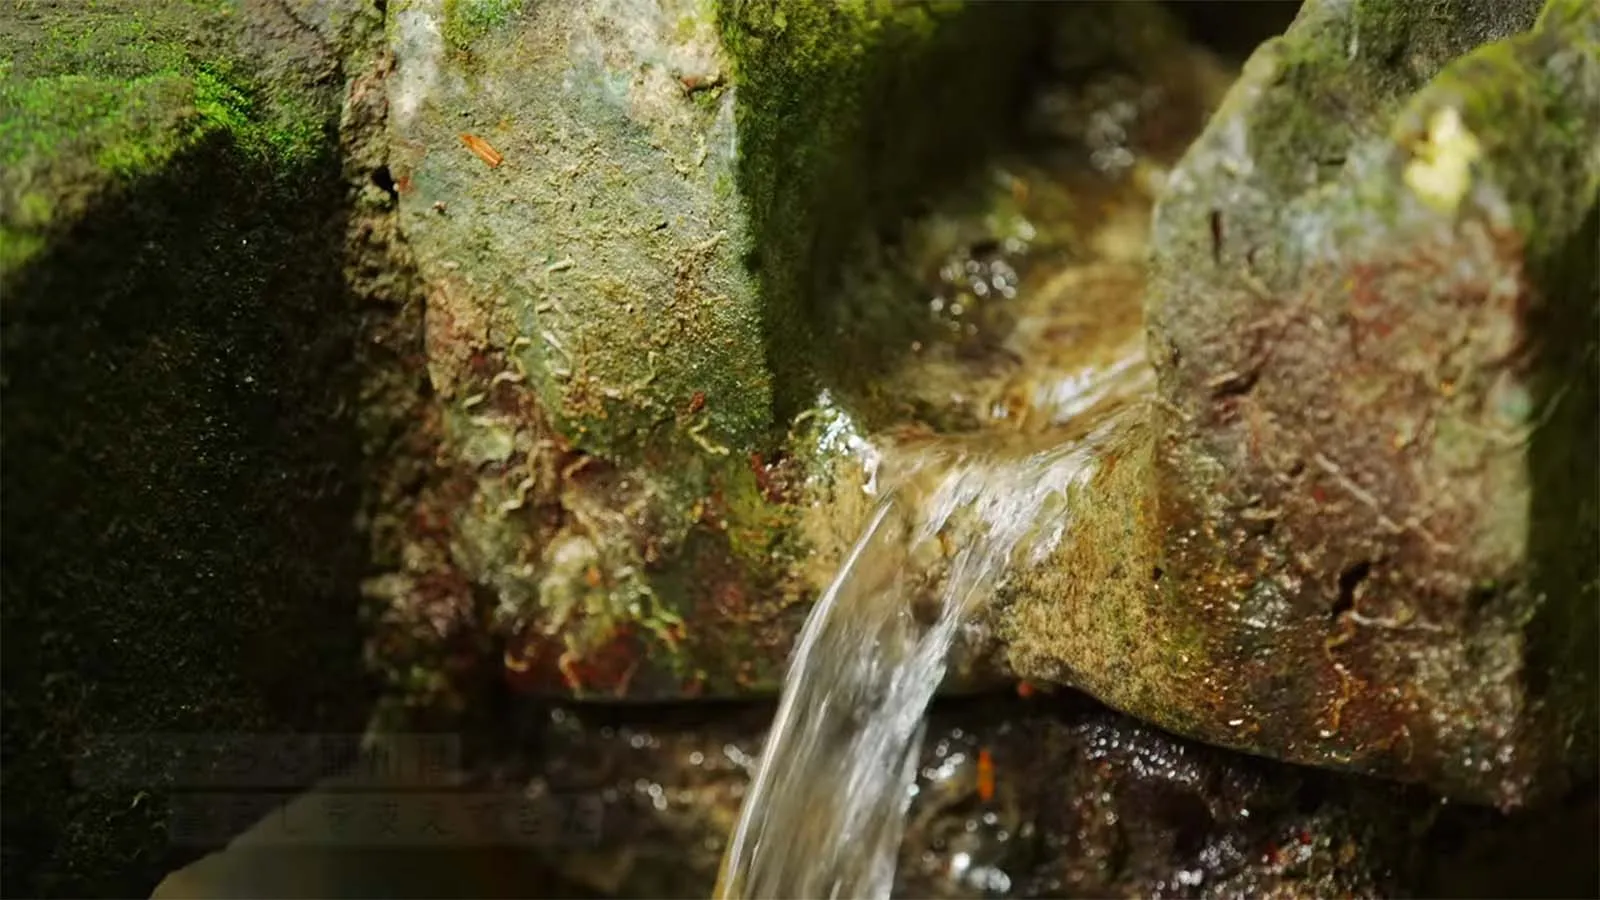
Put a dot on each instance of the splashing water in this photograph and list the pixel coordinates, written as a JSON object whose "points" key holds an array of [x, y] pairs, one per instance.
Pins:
{"points": [[827, 807]]}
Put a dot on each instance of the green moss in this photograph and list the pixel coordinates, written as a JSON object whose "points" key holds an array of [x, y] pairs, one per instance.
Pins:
{"points": [[125, 121], [730, 652], [1340, 74], [62, 136], [17, 247], [287, 131], [96, 94], [846, 112], [465, 21], [221, 102], [761, 534]]}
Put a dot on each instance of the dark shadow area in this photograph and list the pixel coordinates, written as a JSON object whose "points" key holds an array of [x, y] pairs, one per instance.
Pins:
{"points": [[1553, 850], [180, 483], [376, 873], [1563, 456], [1549, 852], [1233, 29]]}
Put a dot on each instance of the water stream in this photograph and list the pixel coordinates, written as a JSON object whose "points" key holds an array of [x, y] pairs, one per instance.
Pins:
{"points": [[827, 806]]}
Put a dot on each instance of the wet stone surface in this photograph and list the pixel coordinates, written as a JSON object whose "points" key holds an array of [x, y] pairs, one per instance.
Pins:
{"points": [[1361, 534], [1049, 796]]}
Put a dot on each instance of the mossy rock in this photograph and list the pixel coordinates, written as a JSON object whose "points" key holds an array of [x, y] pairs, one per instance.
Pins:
{"points": [[92, 95], [182, 468], [627, 215], [643, 201], [1370, 536]]}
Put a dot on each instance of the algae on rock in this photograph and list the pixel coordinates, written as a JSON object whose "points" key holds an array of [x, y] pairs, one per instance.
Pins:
{"points": [[846, 114]]}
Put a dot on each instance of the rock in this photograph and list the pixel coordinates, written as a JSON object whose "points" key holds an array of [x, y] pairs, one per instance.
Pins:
{"points": [[180, 370], [96, 96], [625, 215], [622, 162], [1369, 539]]}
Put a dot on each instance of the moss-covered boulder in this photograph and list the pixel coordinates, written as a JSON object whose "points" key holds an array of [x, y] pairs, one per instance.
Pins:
{"points": [[95, 95], [182, 464], [627, 215], [1370, 536]]}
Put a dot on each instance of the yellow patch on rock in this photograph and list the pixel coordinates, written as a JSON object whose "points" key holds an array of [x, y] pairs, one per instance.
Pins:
{"points": [[1440, 172]]}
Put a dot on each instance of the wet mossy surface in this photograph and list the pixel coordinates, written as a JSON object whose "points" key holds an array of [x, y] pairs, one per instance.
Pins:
{"points": [[601, 334]]}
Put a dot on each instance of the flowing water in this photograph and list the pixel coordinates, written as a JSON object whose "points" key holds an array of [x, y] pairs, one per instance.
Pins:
{"points": [[827, 807]]}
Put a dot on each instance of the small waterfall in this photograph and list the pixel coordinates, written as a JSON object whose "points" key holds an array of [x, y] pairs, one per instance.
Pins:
{"points": [[827, 807]]}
